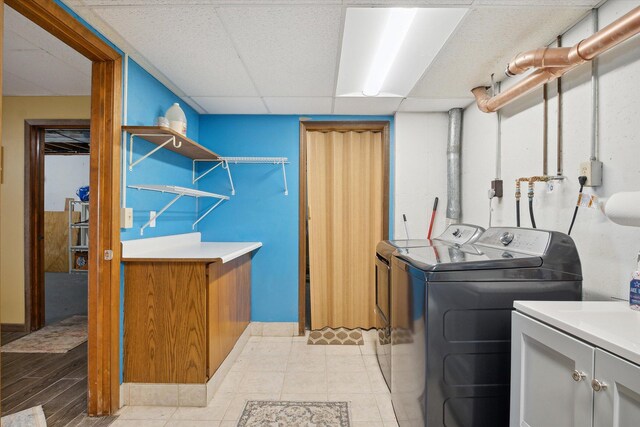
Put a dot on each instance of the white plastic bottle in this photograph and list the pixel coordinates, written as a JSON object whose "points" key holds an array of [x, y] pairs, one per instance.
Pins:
{"points": [[177, 119]]}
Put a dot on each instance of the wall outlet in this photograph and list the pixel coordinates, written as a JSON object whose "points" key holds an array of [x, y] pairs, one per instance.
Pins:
{"points": [[593, 171], [126, 217], [152, 215]]}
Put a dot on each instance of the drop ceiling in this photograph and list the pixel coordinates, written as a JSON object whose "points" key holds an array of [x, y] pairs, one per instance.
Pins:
{"points": [[284, 56], [37, 64]]}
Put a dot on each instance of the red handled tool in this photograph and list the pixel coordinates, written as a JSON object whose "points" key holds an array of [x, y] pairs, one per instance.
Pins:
{"points": [[433, 217]]}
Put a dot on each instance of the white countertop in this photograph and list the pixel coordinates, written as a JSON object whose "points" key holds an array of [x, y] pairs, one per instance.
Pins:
{"points": [[184, 247], [610, 325]]}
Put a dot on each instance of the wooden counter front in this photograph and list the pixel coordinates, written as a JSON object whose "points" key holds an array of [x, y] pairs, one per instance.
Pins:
{"points": [[181, 319]]}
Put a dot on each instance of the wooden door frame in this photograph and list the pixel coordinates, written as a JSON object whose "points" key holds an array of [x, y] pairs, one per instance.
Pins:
{"points": [[329, 126], [104, 205], [34, 315]]}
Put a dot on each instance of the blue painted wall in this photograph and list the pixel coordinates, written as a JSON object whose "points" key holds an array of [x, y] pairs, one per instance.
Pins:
{"points": [[147, 99], [260, 211]]}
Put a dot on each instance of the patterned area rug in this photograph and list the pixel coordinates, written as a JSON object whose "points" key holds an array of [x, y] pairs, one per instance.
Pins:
{"points": [[337, 336], [295, 414], [58, 338], [32, 417]]}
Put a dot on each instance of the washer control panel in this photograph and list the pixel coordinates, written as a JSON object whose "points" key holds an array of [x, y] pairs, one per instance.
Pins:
{"points": [[460, 234], [524, 240]]}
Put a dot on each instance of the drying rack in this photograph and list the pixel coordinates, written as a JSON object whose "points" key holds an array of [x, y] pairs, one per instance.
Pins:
{"points": [[179, 192], [224, 162]]}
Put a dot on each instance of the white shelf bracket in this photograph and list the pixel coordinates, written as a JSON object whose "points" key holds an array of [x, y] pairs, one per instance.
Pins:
{"points": [[215, 205], [195, 178], [175, 199], [172, 139], [225, 165], [284, 175]]}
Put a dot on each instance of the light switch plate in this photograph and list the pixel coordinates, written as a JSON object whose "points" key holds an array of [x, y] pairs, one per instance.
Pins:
{"points": [[126, 218]]}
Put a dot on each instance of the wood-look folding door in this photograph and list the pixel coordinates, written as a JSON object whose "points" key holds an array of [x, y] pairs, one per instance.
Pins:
{"points": [[345, 196]]}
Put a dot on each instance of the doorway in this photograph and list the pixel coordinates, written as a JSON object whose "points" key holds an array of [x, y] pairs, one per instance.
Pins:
{"points": [[344, 205], [56, 164], [104, 263]]}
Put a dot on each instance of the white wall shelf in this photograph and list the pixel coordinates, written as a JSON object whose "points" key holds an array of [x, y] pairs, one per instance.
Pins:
{"points": [[224, 162], [179, 192], [167, 138]]}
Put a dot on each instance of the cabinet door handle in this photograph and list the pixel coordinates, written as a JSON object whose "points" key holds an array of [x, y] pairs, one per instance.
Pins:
{"points": [[597, 385], [578, 375]]}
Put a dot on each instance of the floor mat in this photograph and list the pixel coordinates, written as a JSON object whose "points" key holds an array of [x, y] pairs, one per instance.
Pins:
{"points": [[336, 336], [58, 338], [295, 414], [32, 417]]}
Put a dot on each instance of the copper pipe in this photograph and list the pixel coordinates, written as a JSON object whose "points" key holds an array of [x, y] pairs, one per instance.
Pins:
{"points": [[545, 130], [543, 57], [618, 31], [560, 152]]}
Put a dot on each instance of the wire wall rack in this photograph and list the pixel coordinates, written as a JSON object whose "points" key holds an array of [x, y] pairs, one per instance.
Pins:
{"points": [[225, 161]]}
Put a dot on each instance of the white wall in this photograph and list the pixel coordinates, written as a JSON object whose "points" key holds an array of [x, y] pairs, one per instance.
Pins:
{"points": [[62, 177], [420, 172], [608, 251]]}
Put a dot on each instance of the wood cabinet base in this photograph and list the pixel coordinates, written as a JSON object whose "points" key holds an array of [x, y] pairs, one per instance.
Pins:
{"points": [[183, 318]]}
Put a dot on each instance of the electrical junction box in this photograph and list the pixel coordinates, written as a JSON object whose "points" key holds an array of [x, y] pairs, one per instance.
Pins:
{"points": [[593, 171], [497, 187], [126, 217]]}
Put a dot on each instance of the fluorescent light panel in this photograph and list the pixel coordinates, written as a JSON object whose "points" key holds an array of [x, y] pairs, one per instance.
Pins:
{"points": [[385, 51], [398, 24]]}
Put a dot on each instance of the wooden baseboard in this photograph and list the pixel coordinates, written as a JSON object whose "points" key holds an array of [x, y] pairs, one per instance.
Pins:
{"points": [[13, 327]]}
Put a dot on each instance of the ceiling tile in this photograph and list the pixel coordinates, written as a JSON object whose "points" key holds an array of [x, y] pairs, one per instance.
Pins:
{"points": [[537, 3], [361, 105], [13, 41], [187, 44], [415, 3], [301, 105], [289, 51], [483, 43], [27, 30], [13, 85], [427, 105], [201, 2], [46, 71], [231, 105]]}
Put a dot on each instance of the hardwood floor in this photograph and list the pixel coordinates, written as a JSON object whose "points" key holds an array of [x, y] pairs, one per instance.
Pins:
{"points": [[58, 382]]}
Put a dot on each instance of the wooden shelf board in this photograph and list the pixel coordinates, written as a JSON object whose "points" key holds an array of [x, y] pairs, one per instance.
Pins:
{"points": [[158, 135]]}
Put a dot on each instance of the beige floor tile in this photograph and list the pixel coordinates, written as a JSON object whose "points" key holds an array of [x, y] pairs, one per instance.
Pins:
{"points": [[228, 424], [214, 411], [348, 382], [278, 329], [366, 424], [268, 363], [146, 412], [363, 407], [192, 423], [304, 397], [231, 382], [240, 400], [378, 384], [304, 348], [343, 350], [385, 406], [138, 423], [254, 339], [371, 362], [273, 348], [250, 348], [369, 348], [306, 363], [390, 423], [262, 382], [345, 364], [277, 339], [305, 382]]}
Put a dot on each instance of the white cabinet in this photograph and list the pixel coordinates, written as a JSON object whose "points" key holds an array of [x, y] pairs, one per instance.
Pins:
{"points": [[618, 404], [554, 377]]}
